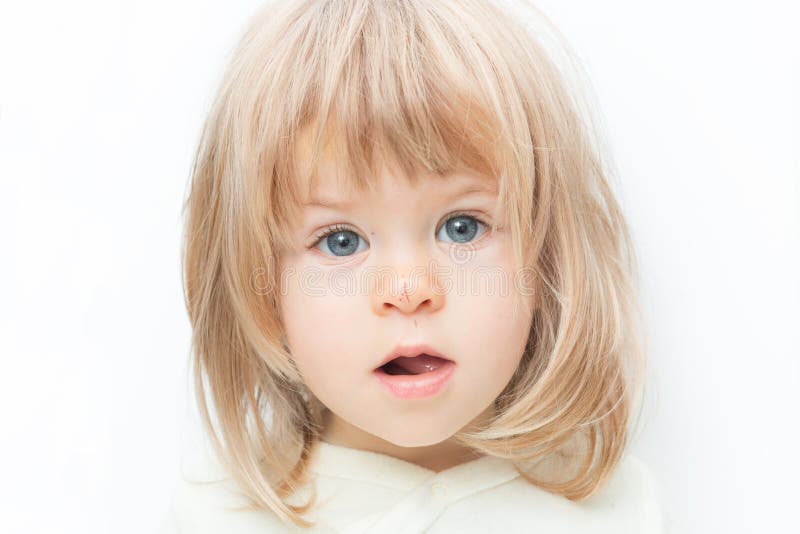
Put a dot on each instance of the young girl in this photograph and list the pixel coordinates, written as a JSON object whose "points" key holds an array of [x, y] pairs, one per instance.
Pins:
{"points": [[410, 286]]}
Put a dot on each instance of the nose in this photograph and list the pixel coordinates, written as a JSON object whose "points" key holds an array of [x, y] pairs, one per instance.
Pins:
{"points": [[406, 291]]}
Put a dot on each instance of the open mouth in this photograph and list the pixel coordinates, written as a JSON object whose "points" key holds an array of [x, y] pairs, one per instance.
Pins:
{"points": [[415, 377], [416, 365]]}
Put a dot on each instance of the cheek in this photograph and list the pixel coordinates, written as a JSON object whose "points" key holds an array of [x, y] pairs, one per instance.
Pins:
{"points": [[320, 327], [494, 319], [493, 329]]}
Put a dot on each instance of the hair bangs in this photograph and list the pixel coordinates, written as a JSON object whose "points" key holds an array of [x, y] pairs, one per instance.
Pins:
{"points": [[417, 107]]}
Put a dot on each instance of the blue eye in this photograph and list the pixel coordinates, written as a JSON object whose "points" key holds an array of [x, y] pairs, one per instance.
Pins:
{"points": [[461, 228], [340, 241]]}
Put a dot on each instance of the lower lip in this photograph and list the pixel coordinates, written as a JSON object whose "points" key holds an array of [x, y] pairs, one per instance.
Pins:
{"points": [[416, 386]]}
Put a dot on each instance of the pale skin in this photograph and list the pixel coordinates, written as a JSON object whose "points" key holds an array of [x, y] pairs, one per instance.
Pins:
{"points": [[341, 321]]}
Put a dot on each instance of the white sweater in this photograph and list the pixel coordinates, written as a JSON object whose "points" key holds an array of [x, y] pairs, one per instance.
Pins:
{"points": [[366, 492]]}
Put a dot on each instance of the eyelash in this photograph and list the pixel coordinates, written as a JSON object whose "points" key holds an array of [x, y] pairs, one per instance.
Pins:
{"points": [[339, 228], [328, 231]]}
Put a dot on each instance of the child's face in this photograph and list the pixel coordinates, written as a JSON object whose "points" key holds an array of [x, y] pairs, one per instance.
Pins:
{"points": [[341, 324]]}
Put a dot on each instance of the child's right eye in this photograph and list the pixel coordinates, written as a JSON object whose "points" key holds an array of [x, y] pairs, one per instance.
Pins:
{"points": [[339, 241]]}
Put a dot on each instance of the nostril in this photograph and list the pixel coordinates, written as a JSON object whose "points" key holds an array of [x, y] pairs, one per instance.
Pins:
{"points": [[403, 304], [399, 303]]}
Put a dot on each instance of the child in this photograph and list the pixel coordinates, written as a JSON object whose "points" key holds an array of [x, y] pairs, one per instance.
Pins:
{"points": [[410, 286]]}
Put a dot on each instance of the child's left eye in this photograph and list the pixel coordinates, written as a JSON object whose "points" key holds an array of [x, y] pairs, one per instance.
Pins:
{"points": [[462, 228]]}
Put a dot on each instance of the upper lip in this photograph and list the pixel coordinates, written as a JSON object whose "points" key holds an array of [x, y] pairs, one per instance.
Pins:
{"points": [[409, 351]]}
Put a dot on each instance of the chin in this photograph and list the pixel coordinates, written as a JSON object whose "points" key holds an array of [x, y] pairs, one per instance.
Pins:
{"points": [[415, 438]]}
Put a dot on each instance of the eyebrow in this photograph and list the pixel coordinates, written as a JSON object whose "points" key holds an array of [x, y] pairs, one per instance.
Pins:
{"points": [[327, 203], [472, 188]]}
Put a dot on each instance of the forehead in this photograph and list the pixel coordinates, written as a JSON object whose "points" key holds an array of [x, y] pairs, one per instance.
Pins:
{"points": [[327, 194], [327, 182]]}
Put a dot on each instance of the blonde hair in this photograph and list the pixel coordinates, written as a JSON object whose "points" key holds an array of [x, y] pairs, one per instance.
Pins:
{"points": [[431, 86]]}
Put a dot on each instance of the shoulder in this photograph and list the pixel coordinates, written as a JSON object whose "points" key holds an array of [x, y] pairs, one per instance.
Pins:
{"points": [[206, 500], [631, 490], [626, 503]]}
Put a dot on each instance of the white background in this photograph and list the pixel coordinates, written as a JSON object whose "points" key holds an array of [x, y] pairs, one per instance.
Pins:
{"points": [[100, 109]]}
